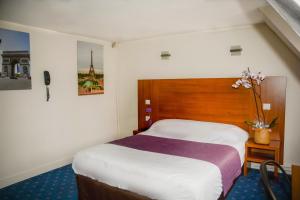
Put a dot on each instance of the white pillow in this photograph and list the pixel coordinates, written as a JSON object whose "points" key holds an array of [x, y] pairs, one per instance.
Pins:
{"points": [[197, 130]]}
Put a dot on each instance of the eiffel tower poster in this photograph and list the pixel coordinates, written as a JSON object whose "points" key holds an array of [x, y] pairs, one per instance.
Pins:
{"points": [[90, 68]]}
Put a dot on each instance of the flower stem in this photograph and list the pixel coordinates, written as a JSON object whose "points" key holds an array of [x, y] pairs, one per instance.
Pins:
{"points": [[254, 94], [261, 105]]}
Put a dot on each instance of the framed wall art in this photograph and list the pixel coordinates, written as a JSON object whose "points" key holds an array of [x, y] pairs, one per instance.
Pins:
{"points": [[90, 68], [14, 60]]}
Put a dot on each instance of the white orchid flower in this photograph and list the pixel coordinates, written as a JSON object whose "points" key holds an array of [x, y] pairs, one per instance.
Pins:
{"points": [[237, 84], [251, 80], [247, 76], [261, 76]]}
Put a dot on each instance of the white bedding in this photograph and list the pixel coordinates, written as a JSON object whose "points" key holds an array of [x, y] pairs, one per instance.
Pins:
{"points": [[160, 176]]}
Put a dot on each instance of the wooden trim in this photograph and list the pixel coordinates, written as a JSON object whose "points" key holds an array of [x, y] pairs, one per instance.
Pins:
{"points": [[295, 182]]}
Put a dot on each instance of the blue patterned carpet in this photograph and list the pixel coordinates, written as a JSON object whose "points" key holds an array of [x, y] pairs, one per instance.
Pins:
{"points": [[60, 184]]}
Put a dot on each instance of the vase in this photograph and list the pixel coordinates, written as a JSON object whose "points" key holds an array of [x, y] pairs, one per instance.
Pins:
{"points": [[262, 136]]}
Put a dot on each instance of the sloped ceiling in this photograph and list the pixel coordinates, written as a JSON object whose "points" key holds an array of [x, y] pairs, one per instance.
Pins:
{"points": [[121, 20], [284, 19], [289, 10]]}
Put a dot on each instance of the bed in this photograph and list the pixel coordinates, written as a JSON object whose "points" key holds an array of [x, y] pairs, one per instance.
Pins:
{"points": [[157, 175], [176, 116]]}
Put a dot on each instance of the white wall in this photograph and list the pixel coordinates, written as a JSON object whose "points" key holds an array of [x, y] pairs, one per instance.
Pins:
{"points": [[206, 54], [35, 135]]}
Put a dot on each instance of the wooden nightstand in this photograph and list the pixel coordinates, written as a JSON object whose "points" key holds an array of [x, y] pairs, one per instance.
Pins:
{"points": [[259, 152]]}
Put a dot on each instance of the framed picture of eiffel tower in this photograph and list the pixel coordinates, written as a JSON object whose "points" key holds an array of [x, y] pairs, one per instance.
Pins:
{"points": [[90, 68]]}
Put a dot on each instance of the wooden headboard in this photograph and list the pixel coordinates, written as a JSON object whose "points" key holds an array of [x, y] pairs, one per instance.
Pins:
{"points": [[209, 99]]}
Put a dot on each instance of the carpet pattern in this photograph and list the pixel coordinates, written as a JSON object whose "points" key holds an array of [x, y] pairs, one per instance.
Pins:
{"points": [[60, 184], [56, 184]]}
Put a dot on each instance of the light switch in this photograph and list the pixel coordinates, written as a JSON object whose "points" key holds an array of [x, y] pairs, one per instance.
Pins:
{"points": [[147, 102], [147, 118], [266, 106]]}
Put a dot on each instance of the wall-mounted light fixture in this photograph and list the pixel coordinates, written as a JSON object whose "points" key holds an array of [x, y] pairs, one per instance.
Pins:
{"points": [[114, 44], [165, 55], [236, 50]]}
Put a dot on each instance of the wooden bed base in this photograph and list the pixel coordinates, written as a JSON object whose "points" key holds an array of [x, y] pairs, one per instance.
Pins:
{"points": [[90, 189]]}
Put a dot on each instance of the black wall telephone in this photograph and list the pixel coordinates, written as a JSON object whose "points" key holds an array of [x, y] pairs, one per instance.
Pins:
{"points": [[47, 82]]}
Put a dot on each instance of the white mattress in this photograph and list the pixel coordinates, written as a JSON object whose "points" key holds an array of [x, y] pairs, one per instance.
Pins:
{"points": [[160, 176]]}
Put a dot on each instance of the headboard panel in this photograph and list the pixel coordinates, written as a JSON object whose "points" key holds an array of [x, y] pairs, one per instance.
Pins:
{"points": [[208, 99]]}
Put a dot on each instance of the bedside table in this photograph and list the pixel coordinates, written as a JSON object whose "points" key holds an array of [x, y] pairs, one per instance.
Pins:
{"points": [[259, 153]]}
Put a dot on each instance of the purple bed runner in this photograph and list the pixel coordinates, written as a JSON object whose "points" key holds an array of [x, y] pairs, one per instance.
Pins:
{"points": [[225, 157]]}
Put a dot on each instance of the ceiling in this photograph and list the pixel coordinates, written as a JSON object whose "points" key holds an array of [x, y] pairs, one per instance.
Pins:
{"points": [[122, 20]]}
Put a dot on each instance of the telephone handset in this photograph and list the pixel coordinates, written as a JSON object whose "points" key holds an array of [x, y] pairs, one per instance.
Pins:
{"points": [[47, 80]]}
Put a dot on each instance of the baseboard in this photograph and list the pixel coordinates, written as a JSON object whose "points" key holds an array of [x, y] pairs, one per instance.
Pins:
{"points": [[287, 169], [34, 172]]}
